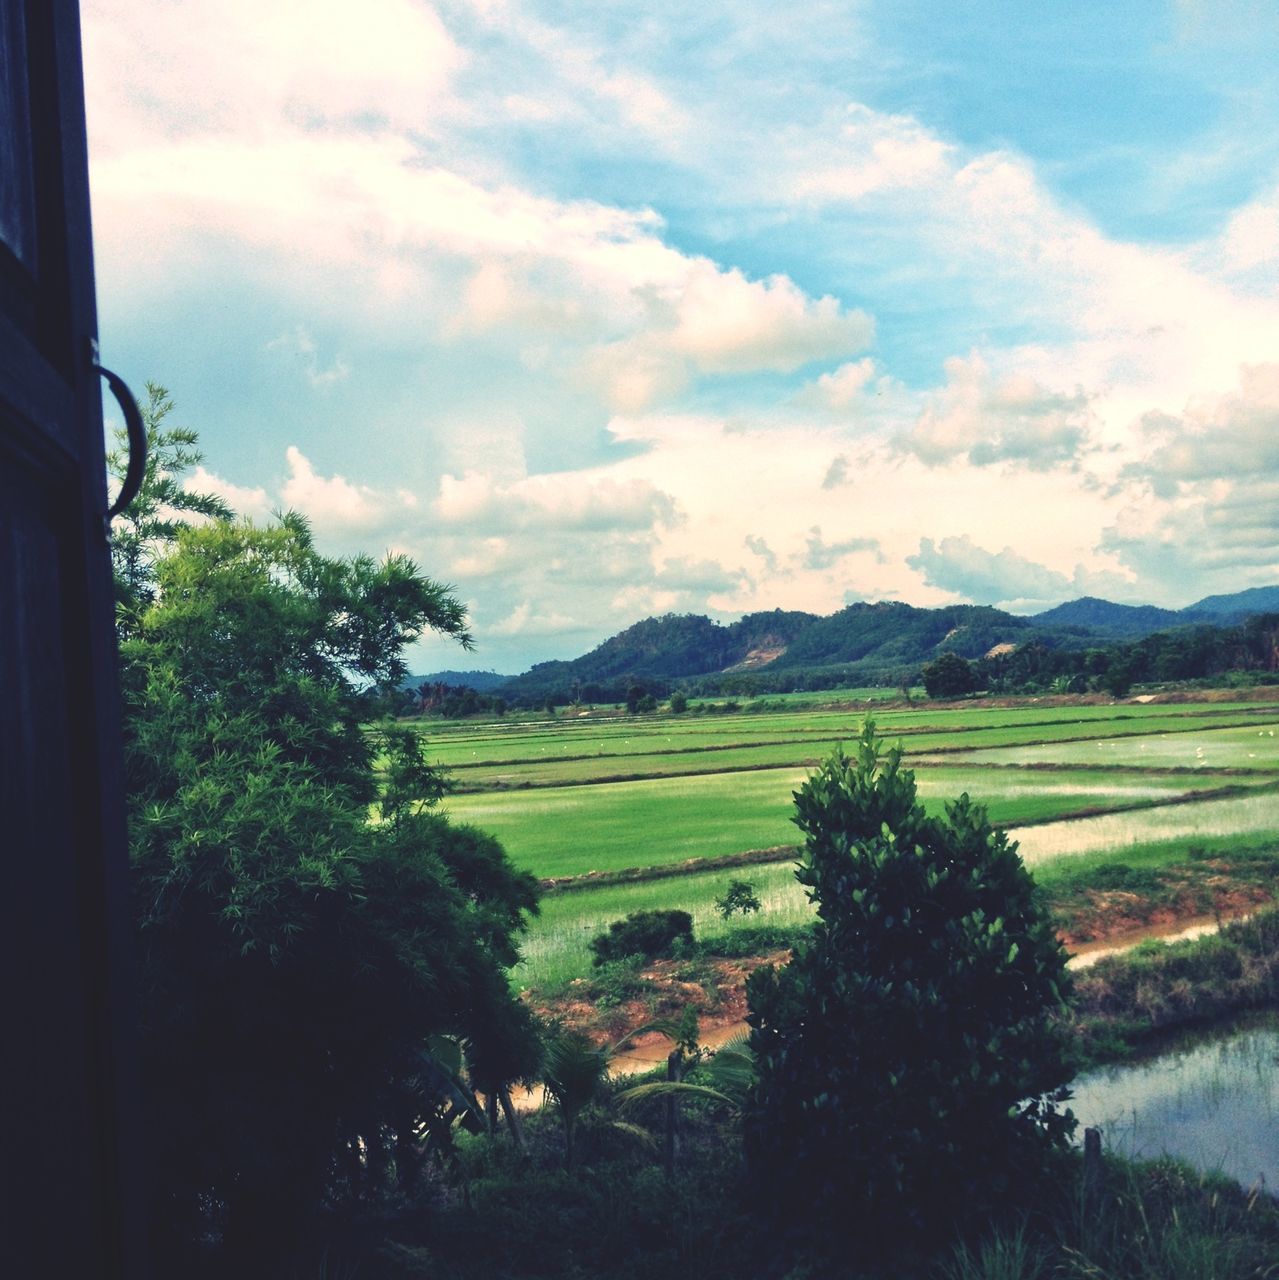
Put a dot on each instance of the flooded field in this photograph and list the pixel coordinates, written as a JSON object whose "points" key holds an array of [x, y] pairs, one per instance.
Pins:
{"points": [[1232, 748], [1242, 816], [1214, 1103]]}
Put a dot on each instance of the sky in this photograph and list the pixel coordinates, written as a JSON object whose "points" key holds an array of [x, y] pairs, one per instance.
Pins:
{"points": [[605, 311]]}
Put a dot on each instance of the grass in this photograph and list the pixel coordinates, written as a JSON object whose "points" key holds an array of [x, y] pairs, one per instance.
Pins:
{"points": [[1195, 748], [1123, 1002], [1127, 835], [576, 830], [571, 735], [1118, 797], [1178, 877], [556, 948]]}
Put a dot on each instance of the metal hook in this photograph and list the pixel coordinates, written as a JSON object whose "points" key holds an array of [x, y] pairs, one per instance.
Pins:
{"points": [[137, 433]]}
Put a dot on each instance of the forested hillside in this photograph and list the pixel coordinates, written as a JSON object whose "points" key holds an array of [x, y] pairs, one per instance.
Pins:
{"points": [[888, 642]]}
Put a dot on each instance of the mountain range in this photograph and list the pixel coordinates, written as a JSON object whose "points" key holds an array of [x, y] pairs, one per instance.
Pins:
{"points": [[867, 642]]}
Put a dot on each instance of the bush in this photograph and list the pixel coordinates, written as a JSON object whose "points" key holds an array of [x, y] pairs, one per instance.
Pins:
{"points": [[907, 1064], [645, 933], [950, 677]]}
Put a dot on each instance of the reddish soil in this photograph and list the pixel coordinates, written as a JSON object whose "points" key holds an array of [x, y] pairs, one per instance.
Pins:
{"points": [[719, 998], [1114, 913]]}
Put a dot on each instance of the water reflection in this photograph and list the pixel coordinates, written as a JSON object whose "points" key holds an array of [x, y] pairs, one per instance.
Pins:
{"points": [[1214, 1104]]}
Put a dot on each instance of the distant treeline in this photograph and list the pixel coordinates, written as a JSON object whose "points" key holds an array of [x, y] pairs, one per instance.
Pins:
{"points": [[1186, 653]]}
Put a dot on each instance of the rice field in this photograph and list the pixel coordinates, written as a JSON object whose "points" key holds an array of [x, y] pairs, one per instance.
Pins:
{"points": [[1243, 747], [566, 831], [668, 747], [1075, 785], [556, 948], [1117, 833]]}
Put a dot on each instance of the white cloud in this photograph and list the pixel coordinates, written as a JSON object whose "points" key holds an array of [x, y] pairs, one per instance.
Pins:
{"points": [[1251, 238], [524, 620], [299, 344], [334, 503], [1202, 492], [841, 388], [1227, 436], [874, 153], [244, 500], [985, 577], [820, 554], [712, 321], [567, 500], [984, 419], [1007, 578], [175, 69]]}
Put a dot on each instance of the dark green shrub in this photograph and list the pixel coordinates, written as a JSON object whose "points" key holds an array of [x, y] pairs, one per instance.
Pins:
{"points": [[950, 677], [907, 1066], [645, 933]]}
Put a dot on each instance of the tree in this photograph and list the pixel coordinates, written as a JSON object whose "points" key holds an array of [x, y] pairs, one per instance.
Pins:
{"points": [[949, 677], [1118, 677], [296, 957], [907, 1069], [738, 898], [679, 702], [161, 507]]}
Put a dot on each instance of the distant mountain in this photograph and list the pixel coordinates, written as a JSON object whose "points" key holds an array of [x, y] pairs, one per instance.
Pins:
{"points": [[668, 648], [1240, 604], [877, 642], [891, 634], [878, 639], [480, 681], [1107, 618], [1096, 615]]}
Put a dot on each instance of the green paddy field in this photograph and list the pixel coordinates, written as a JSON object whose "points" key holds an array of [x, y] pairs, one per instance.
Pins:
{"points": [[645, 799]]}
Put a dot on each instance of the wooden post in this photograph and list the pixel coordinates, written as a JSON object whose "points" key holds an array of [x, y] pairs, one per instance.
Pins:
{"points": [[1093, 1173], [674, 1073]]}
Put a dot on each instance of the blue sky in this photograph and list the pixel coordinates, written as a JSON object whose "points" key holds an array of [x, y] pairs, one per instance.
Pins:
{"points": [[601, 311]]}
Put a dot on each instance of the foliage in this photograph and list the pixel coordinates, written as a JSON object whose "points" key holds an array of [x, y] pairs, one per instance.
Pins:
{"points": [[161, 507], [296, 958], [573, 1071], [645, 933], [679, 702], [908, 1069], [949, 677], [738, 899]]}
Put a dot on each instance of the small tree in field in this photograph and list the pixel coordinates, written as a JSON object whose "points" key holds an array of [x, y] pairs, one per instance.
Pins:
{"points": [[738, 899], [907, 1068], [949, 677]]}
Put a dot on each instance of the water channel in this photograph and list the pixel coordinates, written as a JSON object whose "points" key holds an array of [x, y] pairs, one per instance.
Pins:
{"points": [[1213, 1102]]}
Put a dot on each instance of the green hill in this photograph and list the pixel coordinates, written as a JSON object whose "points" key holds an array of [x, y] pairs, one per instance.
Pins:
{"points": [[881, 643]]}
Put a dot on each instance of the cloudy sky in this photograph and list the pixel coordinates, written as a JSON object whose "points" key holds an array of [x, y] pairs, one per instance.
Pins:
{"points": [[604, 310]]}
